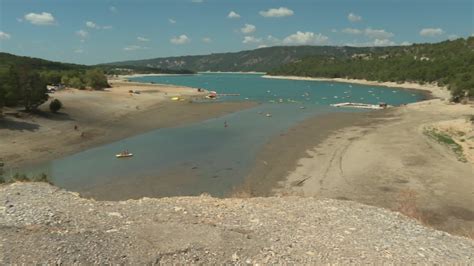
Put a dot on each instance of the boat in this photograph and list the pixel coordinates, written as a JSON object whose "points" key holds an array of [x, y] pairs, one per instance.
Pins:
{"points": [[362, 105], [124, 154]]}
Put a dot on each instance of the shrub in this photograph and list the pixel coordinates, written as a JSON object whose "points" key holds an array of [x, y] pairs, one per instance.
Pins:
{"points": [[55, 105]]}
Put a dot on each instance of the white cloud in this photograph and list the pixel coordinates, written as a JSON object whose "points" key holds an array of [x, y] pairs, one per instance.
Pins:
{"points": [[248, 28], [181, 39], [142, 39], [4, 36], [134, 48], [113, 9], [82, 34], [378, 33], [353, 17], [172, 21], [277, 12], [334, 30], [42, 19], [79, 51], [405, 43], [251, 39], [453, 37], [197, 1], [262, 46], [91, 25], [431, 32], [19, 20], [206, 40], [383, 42], [376, 42], [351, 31], [233, 14], [300, 38]]}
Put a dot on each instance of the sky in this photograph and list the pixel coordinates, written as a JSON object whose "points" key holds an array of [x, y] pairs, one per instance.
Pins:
{"points": [[101, 31]]}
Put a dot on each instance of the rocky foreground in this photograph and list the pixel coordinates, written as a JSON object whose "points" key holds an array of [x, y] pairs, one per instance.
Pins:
{"points": [[40, 223]]}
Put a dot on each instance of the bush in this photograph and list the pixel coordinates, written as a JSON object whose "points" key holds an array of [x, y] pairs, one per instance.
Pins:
{"points": [[24, 178], [55, 105]]}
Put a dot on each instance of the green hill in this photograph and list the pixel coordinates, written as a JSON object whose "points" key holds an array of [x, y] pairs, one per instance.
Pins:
{"points": [[263, 59], [7, 60]]}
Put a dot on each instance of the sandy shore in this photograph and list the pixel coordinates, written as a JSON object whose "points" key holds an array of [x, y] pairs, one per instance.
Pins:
{"points": [[125, 77], [436, 91], [375, 159], [232, 72], [101, 117]]}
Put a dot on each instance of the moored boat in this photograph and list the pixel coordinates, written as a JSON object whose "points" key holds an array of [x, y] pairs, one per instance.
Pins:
{"points": [[124, 154]]}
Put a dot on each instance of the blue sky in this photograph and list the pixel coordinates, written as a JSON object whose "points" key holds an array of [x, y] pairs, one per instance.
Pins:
{"points": [[99, 31]]}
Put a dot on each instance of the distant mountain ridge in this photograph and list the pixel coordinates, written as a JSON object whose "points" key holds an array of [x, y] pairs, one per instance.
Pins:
{"points": [[262, 59]]}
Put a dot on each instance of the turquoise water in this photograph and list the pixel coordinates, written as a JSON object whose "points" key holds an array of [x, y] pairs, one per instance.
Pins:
{"points": [[256, 88], [206, 156]]}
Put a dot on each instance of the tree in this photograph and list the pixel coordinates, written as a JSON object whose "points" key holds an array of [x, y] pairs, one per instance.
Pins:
{"points": [[33, 90], [55, 105], [10, 83], [96, 79]]}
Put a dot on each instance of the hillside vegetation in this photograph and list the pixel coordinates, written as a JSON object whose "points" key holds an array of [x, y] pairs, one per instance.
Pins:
{"points": [[263, 59], [448, 63]]}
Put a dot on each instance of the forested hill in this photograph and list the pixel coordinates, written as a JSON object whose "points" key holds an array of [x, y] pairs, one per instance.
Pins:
{"points": [[262, 59], [7, 60], [42, 65], [447, 63]]}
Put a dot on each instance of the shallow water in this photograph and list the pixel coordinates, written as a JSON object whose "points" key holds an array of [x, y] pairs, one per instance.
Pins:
{"points": [[206, 156]]}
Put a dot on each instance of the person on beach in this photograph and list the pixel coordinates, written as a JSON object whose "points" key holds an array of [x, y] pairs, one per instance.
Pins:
{"points": [[225, 124]]}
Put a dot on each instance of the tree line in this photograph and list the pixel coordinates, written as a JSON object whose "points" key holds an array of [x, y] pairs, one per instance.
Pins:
{"points": [[449, 63], [22, 85]]}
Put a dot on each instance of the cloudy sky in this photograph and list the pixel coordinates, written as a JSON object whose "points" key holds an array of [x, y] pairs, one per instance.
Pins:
{"points": [[98, 31]]}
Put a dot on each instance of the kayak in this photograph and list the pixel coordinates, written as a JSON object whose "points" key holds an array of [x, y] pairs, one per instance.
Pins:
{"points": [[124, 155]]}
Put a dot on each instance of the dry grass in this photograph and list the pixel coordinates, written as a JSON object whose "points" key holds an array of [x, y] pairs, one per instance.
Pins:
{"points": [[407, 205]]}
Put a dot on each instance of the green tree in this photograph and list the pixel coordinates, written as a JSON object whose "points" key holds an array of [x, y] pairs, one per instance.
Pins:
{"points": [[76, 82], [96, 79], [11, 87], [32, 89], [51, 77], [55, 105]]}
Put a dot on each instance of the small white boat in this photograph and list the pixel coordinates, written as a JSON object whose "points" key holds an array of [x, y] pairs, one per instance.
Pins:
{"points": [[123, 155], [362, 105], [268, 115]]}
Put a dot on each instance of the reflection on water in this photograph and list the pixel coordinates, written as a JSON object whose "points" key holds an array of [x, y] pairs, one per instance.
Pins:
{"points": [[206, 156]]}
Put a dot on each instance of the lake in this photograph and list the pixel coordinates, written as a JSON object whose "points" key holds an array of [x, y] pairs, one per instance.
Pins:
{"points": [[206, 156]]}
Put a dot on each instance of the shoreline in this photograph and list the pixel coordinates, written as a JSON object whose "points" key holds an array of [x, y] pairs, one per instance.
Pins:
{"points": [[373, 158], [101, 117], [436, 91], [123, 77], [232, 72]]}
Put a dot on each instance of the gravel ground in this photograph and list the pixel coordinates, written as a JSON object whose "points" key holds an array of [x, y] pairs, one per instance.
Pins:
{"points": [[40, 223]]}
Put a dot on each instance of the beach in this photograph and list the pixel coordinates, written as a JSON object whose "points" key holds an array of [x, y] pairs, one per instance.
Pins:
{"points": [[92, 118], [434, 90], [377, 158]]}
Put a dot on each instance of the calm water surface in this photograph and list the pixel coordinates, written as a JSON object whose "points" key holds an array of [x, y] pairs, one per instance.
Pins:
{"points": [[206, 156]]}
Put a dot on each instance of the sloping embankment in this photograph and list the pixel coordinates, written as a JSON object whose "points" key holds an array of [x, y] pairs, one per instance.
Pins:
{"points": [[40, 223]]}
